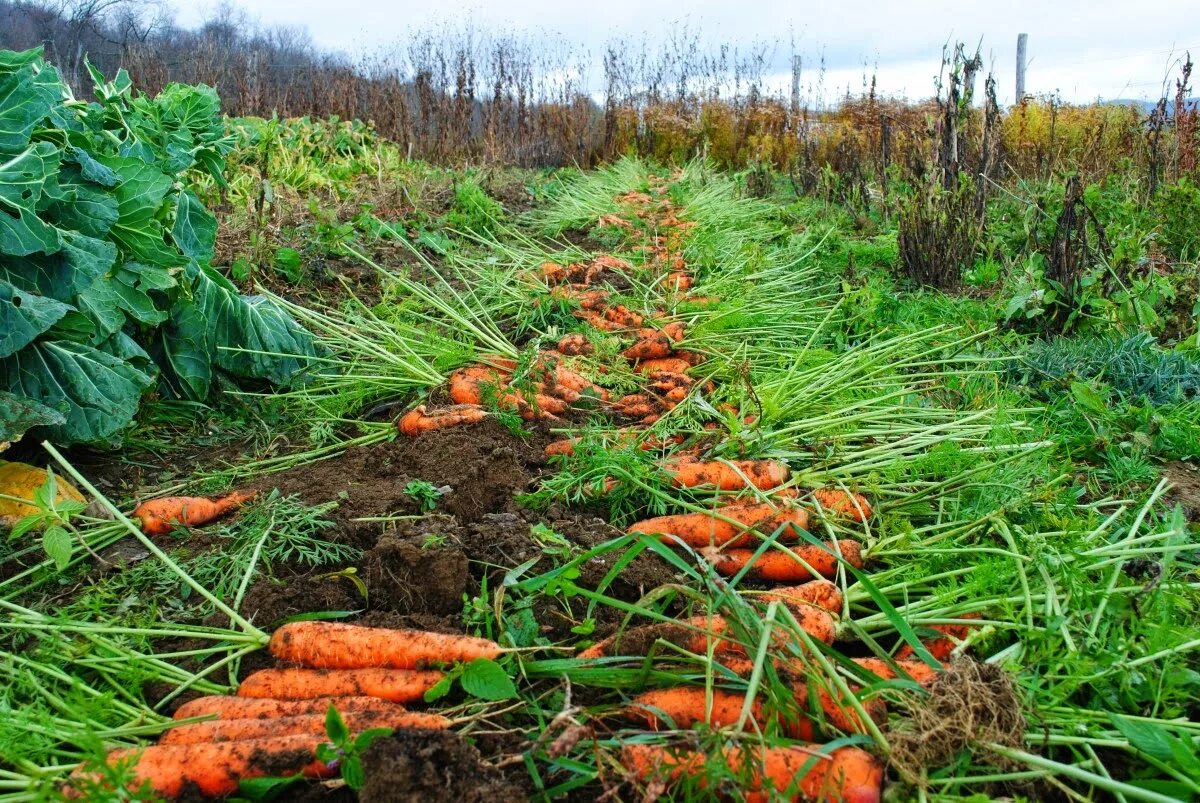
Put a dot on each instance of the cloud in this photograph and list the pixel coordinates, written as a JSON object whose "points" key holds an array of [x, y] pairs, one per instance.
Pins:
{"points": [[1084, 50]]}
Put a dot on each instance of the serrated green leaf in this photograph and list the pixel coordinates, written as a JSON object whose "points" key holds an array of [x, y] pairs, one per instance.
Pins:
{"points": [[487, 680], [335, 726], [58, 545]]}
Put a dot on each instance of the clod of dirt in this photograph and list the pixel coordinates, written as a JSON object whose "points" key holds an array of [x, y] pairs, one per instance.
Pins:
{"points": [[418, 765], [269, 600], [968, 704], [419, 567], [484, 466]]}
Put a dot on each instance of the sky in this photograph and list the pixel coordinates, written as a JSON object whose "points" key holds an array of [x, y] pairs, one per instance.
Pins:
{"points": [[1104, 49]]}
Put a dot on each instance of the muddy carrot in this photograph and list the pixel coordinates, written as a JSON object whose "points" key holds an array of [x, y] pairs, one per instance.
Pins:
{"points": [[226, 707], [334, 645], [552, 272], [397, 685], [160, 516], [466, 384], [566, 446], [696, 634], [821, 593], [651, 344], [239, 730], [781, 566], [574, 344], [846, 774], [941, 648], [910, 669], [840, 503], [419, 420], [733, 475], [214, 770], [678, 280], [837, 710], [669, 365], [622, 316], [686, 706], [704, 529]]}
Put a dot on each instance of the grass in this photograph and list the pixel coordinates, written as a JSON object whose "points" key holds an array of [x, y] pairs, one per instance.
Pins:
{"points": [[1014, 479]]}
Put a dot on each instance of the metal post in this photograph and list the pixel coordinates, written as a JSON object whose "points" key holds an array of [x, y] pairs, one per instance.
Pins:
{"points": [[1022, 41]]}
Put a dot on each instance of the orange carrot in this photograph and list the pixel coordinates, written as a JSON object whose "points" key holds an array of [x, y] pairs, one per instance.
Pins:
{"points": [[622, 316], [734, 475], [821, 593], [160, 516], [678, 280], [610, 262], [670, 365], [553, 273], [696, 634], [239, 730], [674, 331], [397, 685], [418, 420], [226, 707], [705, 529], [837, 710], [781, 566], [686, 706], [651, 344], [940, 648], [566, 446], [910, 669], [466, 383], [840, 503], [214, 770], [574, 344], [334, 645], [846, 774]]}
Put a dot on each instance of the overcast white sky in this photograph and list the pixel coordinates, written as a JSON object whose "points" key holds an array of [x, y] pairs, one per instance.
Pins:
{"points": [[1082, 48]]}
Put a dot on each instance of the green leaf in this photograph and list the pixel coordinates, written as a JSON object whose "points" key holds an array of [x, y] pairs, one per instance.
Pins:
{"points": [[24, 316], [141, 196], [335, 726], [441, 688], [266, 789], [19, 414], [352, 772], [22, 183], [195, 229], [1151, 739], [487, 680], [369, 737], [1088, 398], [27, 96], [97, 393], [43, 497], [58, 545]]}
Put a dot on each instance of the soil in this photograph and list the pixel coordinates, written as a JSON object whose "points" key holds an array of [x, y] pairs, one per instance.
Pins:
{"points": [[414, 766], [1185, 478]]}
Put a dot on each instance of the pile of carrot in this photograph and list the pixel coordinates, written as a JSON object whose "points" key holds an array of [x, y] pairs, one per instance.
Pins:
{"points": [[276, 721]]}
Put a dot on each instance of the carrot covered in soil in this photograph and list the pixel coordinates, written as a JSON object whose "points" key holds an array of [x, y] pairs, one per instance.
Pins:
{"points": [[821, 593], [396, 685], [574, 344], [687, 706], [226, 707], [214, 770], [160, 516], [419, 420], [733, 475], [334, 645], [705, 529], [782, 566], [239, 730], [668, 365], [840, 503], [846, 774]]}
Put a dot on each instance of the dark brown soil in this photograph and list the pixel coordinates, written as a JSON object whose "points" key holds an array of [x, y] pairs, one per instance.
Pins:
{"points": [[415, 766], [1185, 477], [483, 466]]}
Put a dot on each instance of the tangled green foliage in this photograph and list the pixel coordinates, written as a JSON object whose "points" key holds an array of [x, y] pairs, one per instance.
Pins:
{"points": [[106, 283], [1134, 366]]}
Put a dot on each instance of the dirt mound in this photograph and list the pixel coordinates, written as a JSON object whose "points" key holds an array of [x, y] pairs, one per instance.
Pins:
{"points": [[483, 466], [417, 765], [419, 567]]}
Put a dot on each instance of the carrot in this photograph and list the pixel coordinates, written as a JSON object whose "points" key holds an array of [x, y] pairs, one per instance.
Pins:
{"points": [[159, 516], [637, 405], [846, 774], [782, 566], [239, 730], [574, 344], [566, 446], [597, 320], [418, 420], [610, 262], [821, 593], [840, 503], [651, 344], [226, 707], [696, 633], [614, 220], [214, 770], [733, 475], [687, 706], [466, 383], [588, 299], [678, 280], [552, 272], [910, 669], [570, 385], [703, 301], [940, 648], [670, 365], [334, 645], [397, 685], [705, 529], [622, 316], [837, 710]]}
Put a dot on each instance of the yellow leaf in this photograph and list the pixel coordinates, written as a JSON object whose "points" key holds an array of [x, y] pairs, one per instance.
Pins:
{"points": [[18, 484]]}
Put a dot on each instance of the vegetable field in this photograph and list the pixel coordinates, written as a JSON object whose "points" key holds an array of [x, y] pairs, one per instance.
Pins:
{"points": [[337, 476]]}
